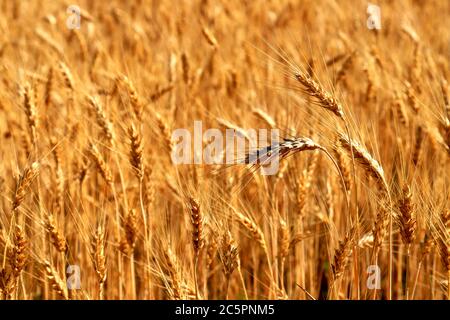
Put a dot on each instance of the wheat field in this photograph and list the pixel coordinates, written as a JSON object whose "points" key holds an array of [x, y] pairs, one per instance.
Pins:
{"points": [[93, 206]]}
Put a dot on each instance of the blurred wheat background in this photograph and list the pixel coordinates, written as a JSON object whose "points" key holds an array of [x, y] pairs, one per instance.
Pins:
{"points": [[87, 182]]}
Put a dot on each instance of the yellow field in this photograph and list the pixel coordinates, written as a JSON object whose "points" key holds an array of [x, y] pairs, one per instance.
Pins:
{"points": [[94, 206]]}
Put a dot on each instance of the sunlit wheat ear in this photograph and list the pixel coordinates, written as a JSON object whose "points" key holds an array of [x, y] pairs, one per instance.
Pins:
{"points": [[49, 40], [442, 238], [229, 125], [281, 149], [428, 244], [186, 68], [24, 182], [57, 284], [99, 258], [56, 236], [9, 277], [149, 189], [161, 92], [228, 253], [172, 269], [284, 238], [136, 150], [418, 143], [132, 94], [209, 37], [380, 228], [343, 166], [67, 75], [81, 170], [398, 106], [364, 159], [102, 120], [164, 129], [346, 65], [446, 98], [412, 100], [264, 116], [369, 70], [407, 220], [59, 175], [48, 87], [229, 257], [197, 225], [29, 102], [444, 284], [211, 251], [131, 229], [104, 169], [19, 252], [252, 228], [342, 254], [324, 99]]}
